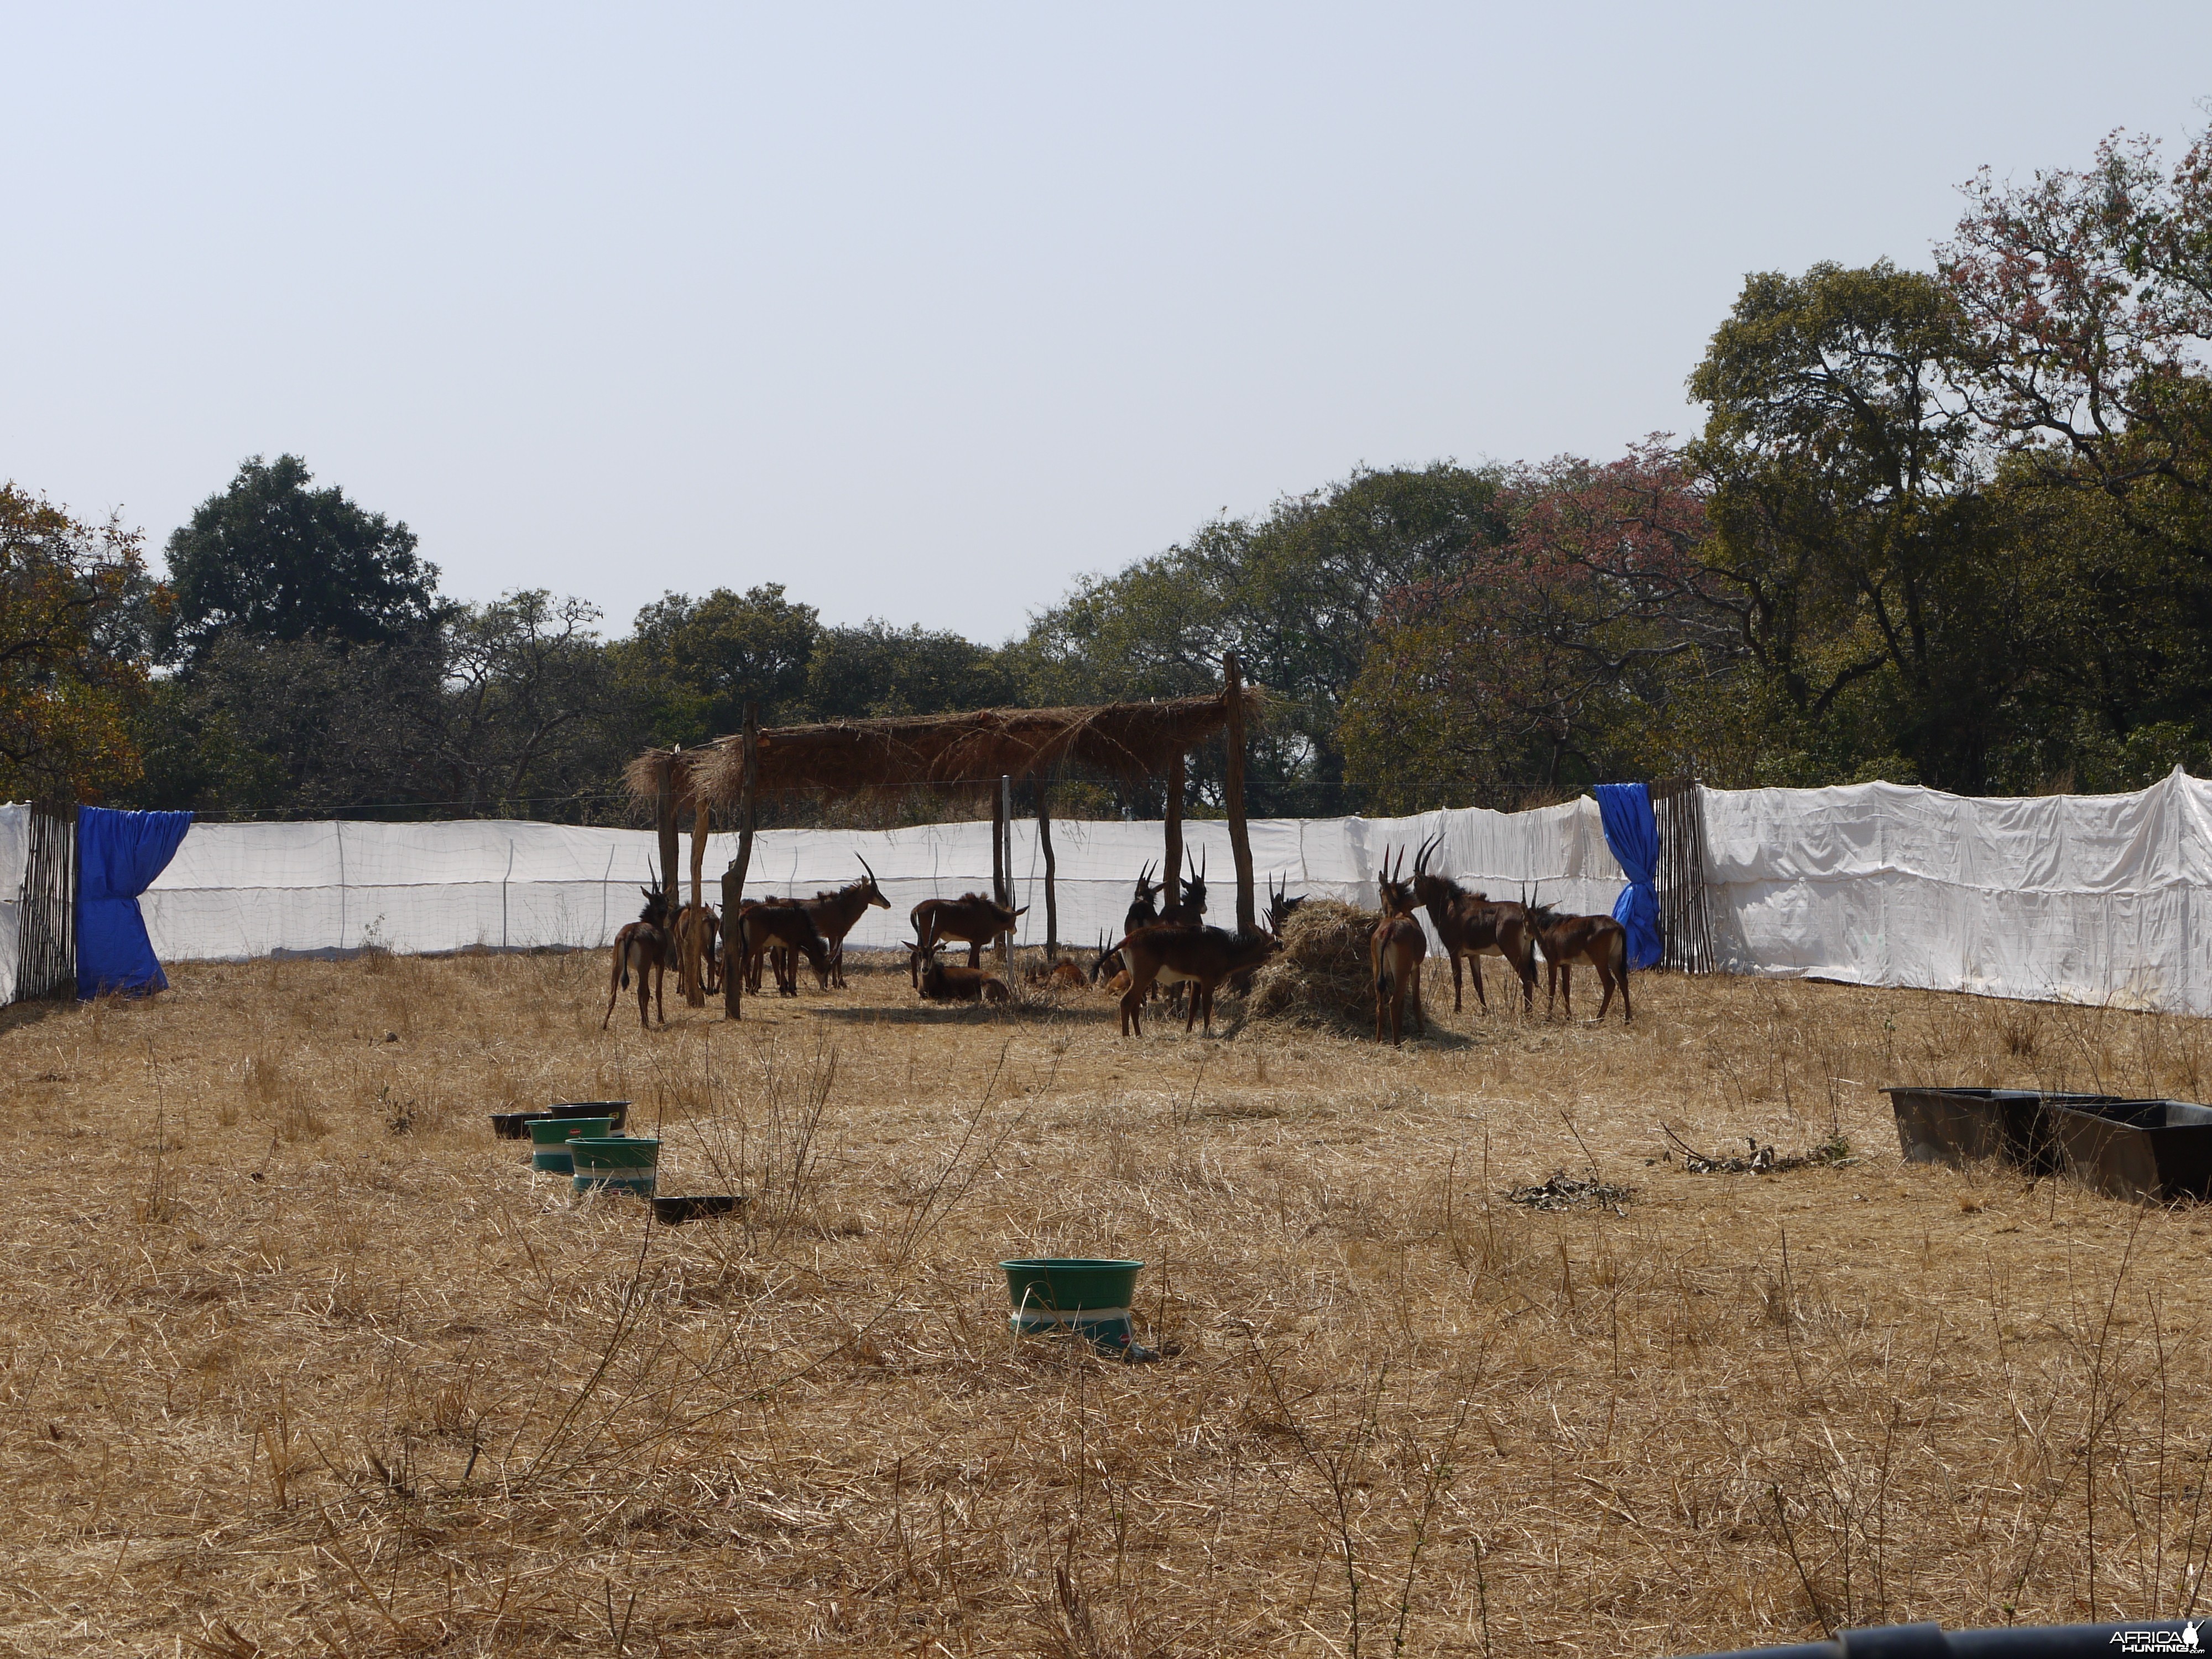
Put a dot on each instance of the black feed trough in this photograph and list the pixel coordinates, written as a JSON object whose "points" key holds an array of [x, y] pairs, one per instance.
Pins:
{"points": [[2147, 1150], [699, 1207], [515, 1126], [1960, 1127]]}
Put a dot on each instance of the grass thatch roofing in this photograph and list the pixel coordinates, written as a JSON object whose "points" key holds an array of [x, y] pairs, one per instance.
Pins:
{"points": [[1122, 739]]}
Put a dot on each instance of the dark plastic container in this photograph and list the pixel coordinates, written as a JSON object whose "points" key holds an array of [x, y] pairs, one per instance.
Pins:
{"points": [[2147, 1150], [1960, 1127], [515, 1126]]}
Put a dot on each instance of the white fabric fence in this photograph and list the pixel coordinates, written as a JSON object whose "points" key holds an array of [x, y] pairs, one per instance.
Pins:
{"points": [[2084, 898], [14, 865], [2079, 898], [236, 891]]}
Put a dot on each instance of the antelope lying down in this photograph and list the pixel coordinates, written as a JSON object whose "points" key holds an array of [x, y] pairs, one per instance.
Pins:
{"points": [[938, 982]]}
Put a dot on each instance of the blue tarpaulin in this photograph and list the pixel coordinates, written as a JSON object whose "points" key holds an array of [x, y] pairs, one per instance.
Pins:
{"points": [[117, 856], [1631, 831]]}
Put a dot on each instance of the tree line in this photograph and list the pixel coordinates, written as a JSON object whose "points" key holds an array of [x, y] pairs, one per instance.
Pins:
{"points": [[1949, 525]]}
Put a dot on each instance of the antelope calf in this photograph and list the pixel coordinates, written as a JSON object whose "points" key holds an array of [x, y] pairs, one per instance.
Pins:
{"points": [[1395, 951], [1599, 940]]}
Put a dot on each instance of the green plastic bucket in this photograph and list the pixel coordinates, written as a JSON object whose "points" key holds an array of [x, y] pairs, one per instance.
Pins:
{"points": [[616, 1164], [549, 1138], [1073, 1295]]}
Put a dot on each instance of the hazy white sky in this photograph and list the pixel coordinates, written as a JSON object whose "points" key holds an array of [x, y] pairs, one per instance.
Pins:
{"points": [[924, 311]]}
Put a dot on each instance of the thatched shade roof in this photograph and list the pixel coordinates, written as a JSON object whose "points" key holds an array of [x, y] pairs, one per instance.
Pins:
{"points": [[1122, 739]]}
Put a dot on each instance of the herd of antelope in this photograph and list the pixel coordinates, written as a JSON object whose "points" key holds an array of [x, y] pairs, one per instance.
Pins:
{"points": [[1164, 949]]}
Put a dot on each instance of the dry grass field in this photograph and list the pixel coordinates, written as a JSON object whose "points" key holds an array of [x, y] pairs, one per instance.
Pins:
{"points": [[297, 1358]]}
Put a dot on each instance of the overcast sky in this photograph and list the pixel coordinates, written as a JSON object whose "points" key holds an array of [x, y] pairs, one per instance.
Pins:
{"points": [[925, 311]]}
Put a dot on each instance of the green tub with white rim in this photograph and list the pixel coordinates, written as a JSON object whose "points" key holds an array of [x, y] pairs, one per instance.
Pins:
{"points": [[616, 1164], [550, 1138], [1088, 1296]]}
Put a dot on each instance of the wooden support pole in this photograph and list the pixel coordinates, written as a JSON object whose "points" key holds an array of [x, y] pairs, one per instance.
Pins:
{"points": [[733, 878], [663, 814], [1004, 815], [998, 848], [1240, 842], [691, 939], [1051, 897], [1172, 894]]}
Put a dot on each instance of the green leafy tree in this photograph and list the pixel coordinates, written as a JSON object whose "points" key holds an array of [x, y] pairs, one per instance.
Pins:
{"points": [[696, 662], [74, 601], [530, 721], [1297, 593], [1852, 521], [876, 669], [273, 558]]}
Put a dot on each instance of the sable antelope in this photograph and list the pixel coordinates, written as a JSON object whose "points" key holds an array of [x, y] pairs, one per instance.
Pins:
{"points": [[641, 947], [1176, 953], [762, 924], [1599, 940], [1189, 907], [697, 933], [1395, 951], [834, 914], [939, 983], [1281, 906], [970, 918], [1145, 910], [1470, 925], [1060, 977]]}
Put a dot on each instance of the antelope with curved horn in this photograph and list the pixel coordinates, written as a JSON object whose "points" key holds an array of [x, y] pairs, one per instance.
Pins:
{"points": [[1145, 909], [1176, 953], [1471, 926], [971, 918], [835, 913], [1189, 907], [1395, 951]]}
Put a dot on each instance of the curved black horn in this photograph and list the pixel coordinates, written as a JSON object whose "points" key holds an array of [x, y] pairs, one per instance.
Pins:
{"points": [[872, 874]]}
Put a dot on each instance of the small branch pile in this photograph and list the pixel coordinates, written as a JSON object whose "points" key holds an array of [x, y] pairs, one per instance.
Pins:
{"points": [[1762, 1159], [1321, 977], [1566, 1192]]}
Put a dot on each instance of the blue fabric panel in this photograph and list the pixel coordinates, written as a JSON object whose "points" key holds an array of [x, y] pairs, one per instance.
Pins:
{"points": [[1631, 831], [117, 856]]}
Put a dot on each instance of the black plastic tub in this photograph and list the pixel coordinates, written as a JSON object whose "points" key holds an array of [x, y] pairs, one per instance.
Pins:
{"points": [[2151, 1150], [1960, 1127], [699, 1207], [515, 1126]]}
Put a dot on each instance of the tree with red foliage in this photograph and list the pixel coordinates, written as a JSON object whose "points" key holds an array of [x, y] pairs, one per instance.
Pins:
{"points": [[1559, 653], [2088, 296]]}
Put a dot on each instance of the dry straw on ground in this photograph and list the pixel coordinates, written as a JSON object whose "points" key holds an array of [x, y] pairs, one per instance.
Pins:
{"points": [[298, 1360]]}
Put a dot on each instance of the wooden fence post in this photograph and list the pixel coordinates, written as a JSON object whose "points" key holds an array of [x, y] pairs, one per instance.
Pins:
{"points": [[733, 878], [1051, 898], [1240, 842], [1172, 894]]}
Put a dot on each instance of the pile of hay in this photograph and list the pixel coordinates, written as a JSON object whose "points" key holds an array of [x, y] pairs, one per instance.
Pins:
{"points": [[1321, 977]]}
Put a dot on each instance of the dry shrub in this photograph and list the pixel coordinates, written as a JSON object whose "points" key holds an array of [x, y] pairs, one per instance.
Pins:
{"points": [[1323, 977]]}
